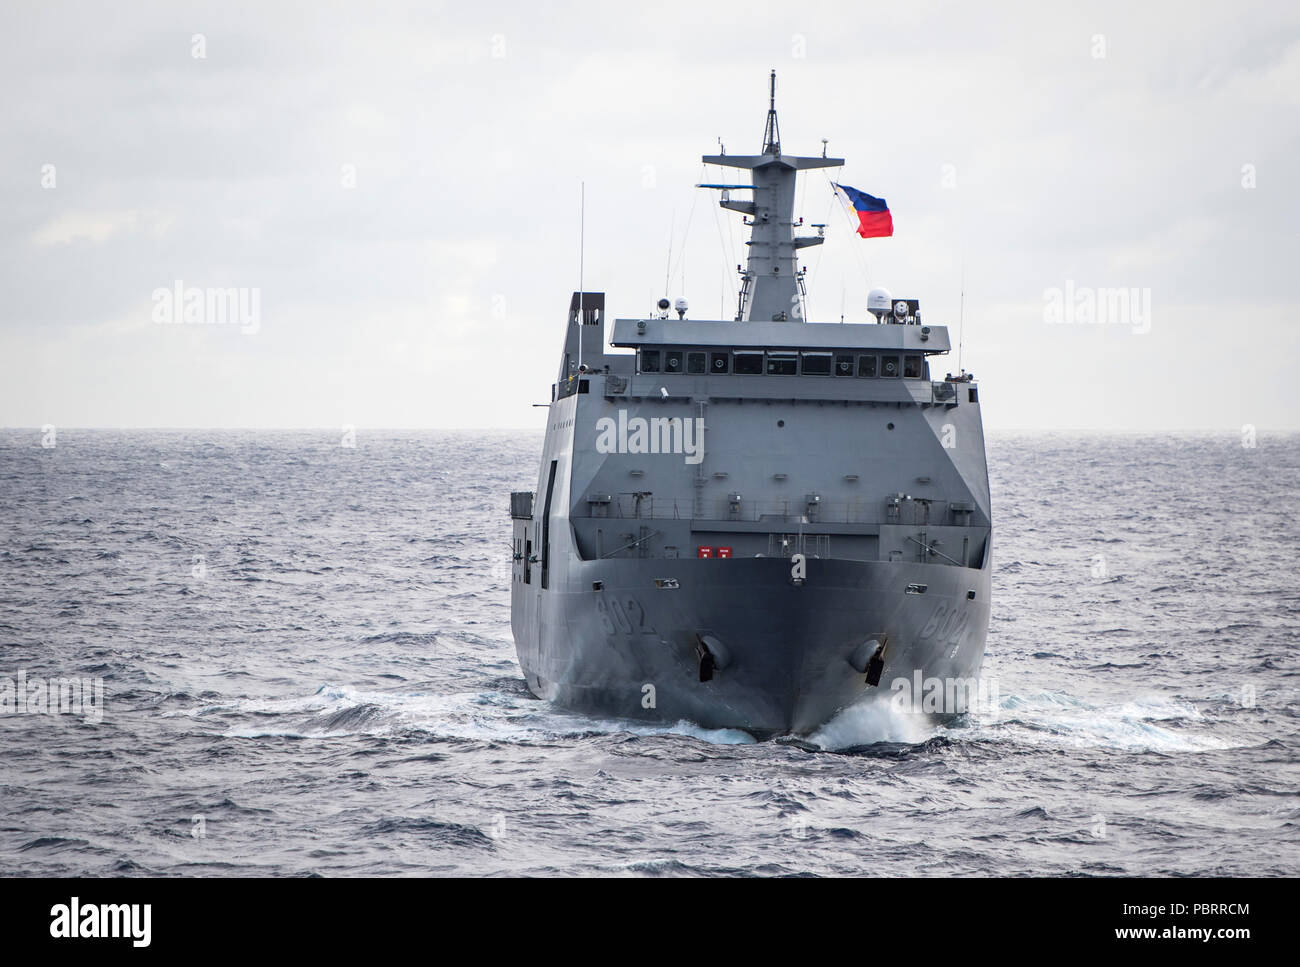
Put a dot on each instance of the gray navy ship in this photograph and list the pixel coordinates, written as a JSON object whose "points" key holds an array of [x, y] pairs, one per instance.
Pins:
{"points": [[753, 523]]}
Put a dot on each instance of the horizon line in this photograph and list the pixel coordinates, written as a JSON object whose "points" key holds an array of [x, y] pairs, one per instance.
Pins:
{"points": [[334, 428]]}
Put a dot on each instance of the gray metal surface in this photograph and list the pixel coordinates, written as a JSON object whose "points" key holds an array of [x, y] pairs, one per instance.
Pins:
{"points": [[789, 648]]}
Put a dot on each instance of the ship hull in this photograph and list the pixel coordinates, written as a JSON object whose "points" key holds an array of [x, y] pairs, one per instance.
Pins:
{"points": [[627, 638]]}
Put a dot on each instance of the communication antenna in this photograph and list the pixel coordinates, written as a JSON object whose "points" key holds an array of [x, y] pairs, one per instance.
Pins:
{"points": [[961, 315], [772, 133], [582, 242], [668, 269]]}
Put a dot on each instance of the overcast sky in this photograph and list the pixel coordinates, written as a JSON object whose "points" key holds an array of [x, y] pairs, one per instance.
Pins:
{"points": [[400, 184]]}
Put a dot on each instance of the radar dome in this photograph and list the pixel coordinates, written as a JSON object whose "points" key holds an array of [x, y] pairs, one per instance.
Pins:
{"points": [[879, 300]]}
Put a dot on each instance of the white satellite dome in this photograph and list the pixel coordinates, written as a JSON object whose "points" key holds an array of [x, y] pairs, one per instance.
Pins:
{"points": [[879, 300]]}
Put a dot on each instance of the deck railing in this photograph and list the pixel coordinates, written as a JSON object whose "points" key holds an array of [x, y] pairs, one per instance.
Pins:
{"points": [[780, 513]]}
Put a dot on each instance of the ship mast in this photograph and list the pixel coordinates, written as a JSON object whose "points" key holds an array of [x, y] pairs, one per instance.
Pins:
{"points": [[771, 288], [772, 133]]}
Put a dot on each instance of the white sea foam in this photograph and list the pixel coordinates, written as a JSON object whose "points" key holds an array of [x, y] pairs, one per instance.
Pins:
{"points": [[869, 722], [1058, 719], [1040, 719], [485, 716], [1037, 719]]}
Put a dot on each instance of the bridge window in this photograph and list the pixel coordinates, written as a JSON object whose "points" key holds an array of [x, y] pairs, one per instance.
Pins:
{"points": [[911, 367], [844, 364], [696, 363], [816, 364], [889, 366], [867, 366], [649, 360], [673, 361], [782, 364], [719, 362], [749, 363]]}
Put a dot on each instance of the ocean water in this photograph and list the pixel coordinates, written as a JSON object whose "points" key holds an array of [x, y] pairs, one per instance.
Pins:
{"points": [[307, 669]]}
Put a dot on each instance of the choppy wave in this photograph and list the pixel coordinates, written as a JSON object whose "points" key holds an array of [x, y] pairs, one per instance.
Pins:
{"points": [[307, 659], [339, 710]]}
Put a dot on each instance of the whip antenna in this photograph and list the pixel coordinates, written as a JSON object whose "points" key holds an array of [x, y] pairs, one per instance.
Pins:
{"points": [[961, 315], [582, 241]]}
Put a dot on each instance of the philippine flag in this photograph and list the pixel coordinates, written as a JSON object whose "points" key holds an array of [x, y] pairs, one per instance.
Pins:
{"points": [[874, 219]]}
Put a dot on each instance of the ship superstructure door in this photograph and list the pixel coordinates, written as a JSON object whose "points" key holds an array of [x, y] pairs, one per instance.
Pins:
{"points": [[546, 526]]}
